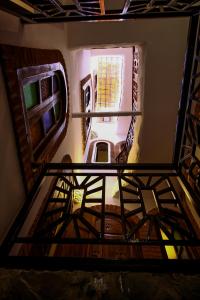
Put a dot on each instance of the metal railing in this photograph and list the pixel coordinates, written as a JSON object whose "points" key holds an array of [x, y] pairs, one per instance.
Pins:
{"points": [[53, 11], [146, 218], [122, 157]]}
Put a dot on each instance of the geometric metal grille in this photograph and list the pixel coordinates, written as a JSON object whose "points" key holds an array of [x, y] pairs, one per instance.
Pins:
{"points": [[58, 209], [148, 217], [123, 155], [190, 151], [46, 11], [151, 211], [168, 216], [148, 6]]}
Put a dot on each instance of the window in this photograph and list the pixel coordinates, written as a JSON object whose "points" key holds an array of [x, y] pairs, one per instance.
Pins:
{"points": [[42, 101], [102, 152], [37, 89], [109, 83]]}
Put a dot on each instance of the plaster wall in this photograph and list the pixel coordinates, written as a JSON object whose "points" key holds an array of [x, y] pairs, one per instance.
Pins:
{"points": [[12, 194], [163, 43], [80, 68]]}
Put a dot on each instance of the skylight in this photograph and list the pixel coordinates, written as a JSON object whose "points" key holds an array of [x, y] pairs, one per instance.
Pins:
{"points": [[109, 82]]}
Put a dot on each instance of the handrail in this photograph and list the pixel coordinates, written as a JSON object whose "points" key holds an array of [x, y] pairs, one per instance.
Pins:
{"points": [[123, 155]]}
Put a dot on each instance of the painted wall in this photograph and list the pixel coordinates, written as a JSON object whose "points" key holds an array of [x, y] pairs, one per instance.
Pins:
{"points": [[163, 42], [79, 68], [11, 185]]}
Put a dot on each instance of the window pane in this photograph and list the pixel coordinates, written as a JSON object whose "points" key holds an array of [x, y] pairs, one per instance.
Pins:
{"points": [[48, 119], [109, 74], [36, 133], [102, 152], [31, 94], [57, 110], [46, 88], [55, 83], [87, 96]]}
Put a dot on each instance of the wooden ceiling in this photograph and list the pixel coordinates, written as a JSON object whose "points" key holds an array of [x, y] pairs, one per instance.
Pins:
{"points": [[47, 11]]}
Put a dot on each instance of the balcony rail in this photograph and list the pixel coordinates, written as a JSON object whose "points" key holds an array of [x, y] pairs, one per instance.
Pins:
{"points": [[122, 157], [93, 211], [49, 11]]}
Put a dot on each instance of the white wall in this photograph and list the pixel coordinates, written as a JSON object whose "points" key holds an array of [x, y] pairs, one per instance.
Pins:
{"points": [[79, 68], [163, 42]]}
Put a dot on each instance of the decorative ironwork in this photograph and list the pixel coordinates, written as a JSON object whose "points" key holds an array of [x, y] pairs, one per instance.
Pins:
{"points": [[86, 106], [189, 163], [167, 213], [149, 216], [59, 207], [53, 11], [123, 155], [135, 77], [142, 223], [150, 6], [89, 7], [48, 8]]}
